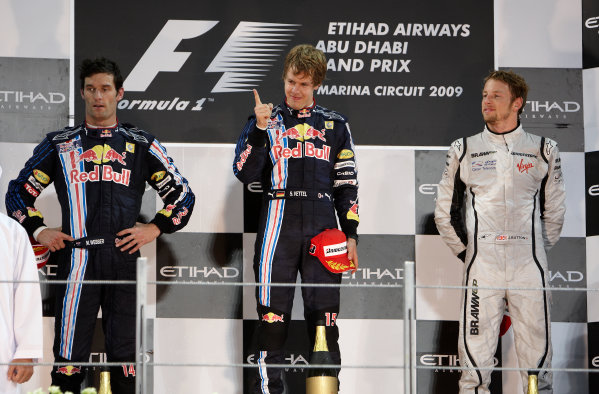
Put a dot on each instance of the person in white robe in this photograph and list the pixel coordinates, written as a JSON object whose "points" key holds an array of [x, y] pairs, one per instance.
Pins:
{"points": [[21, 331]]}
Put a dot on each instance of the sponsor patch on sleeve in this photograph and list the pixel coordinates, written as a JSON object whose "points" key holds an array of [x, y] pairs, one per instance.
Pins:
{"points": [[352, 214], [19, 216], [41, 176], [549, 145], [345, 154], [31, 190], [157, 176], [343, 164], [33, 212], [342, 182], [168, 210], [33, 182]]}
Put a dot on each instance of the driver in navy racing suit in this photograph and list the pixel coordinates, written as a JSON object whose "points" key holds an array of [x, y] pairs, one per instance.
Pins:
{"points": [[304, 156]]}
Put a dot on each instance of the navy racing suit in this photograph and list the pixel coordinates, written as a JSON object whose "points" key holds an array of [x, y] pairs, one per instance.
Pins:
{"points": [[100, 177], [305, 161]]}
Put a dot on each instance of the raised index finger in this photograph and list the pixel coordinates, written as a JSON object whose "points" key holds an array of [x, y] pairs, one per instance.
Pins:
{"points": [[257, 97]]}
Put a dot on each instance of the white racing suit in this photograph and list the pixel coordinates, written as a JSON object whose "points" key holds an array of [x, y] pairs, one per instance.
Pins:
{"points": [[500, 206]]}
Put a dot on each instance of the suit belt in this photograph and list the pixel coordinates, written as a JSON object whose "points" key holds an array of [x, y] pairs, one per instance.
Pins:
{"points": [[97, 242], [298, 194]]}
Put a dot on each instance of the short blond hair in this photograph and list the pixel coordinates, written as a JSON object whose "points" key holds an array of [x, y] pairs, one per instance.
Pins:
{"points": [[517, 84], [306, 59]]}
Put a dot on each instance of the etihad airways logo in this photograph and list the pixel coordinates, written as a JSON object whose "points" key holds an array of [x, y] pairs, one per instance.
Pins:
{"points": [[444, 360], [374, 275], [30, 101], [295, 361], [21, 97], [592, 23], [428, 188], [539, 109], [192, 272], [243, 60]]}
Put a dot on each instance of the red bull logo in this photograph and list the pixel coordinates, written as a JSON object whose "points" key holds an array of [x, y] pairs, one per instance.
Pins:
{"points": [[101, 154], [273, 318], [301, 150], [303, 113], [180, 214], [313, 133], [68, 370], [112, 155], [303, 132], [108, 174], [292, 133], [244, 155], [88, 155]]}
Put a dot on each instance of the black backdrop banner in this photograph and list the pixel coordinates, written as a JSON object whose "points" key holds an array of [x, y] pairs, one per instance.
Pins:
{"points": [[590, 33], [406, 73], [592, 192]]}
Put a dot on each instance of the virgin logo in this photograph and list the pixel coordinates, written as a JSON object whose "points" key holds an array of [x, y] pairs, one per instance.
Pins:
{"points": [[524, 167]]}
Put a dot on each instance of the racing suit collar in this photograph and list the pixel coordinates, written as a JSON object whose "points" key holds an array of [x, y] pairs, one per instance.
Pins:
{"points": [[99, 131], [506, 138], [301, 113], [507, 132]]}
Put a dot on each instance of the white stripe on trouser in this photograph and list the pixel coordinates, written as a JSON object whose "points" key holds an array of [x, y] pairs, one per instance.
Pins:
{"points": [[263, 374], [507, 266]]}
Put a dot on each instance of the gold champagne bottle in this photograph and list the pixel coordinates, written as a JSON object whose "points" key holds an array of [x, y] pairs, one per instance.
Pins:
{"points": [[533, 385], [105, 383], [321, 380]]}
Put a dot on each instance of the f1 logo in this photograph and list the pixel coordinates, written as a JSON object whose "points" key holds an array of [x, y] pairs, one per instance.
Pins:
{"points": [[161, 55], [238, 60]]}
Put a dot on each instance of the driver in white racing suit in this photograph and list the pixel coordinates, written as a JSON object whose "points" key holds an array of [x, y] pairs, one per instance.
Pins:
{"points": [[500, 207]]}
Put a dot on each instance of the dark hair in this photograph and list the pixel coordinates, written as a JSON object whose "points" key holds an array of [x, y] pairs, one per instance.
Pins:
{"points": [[100, 65], [517, 84], [306, 59]]}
